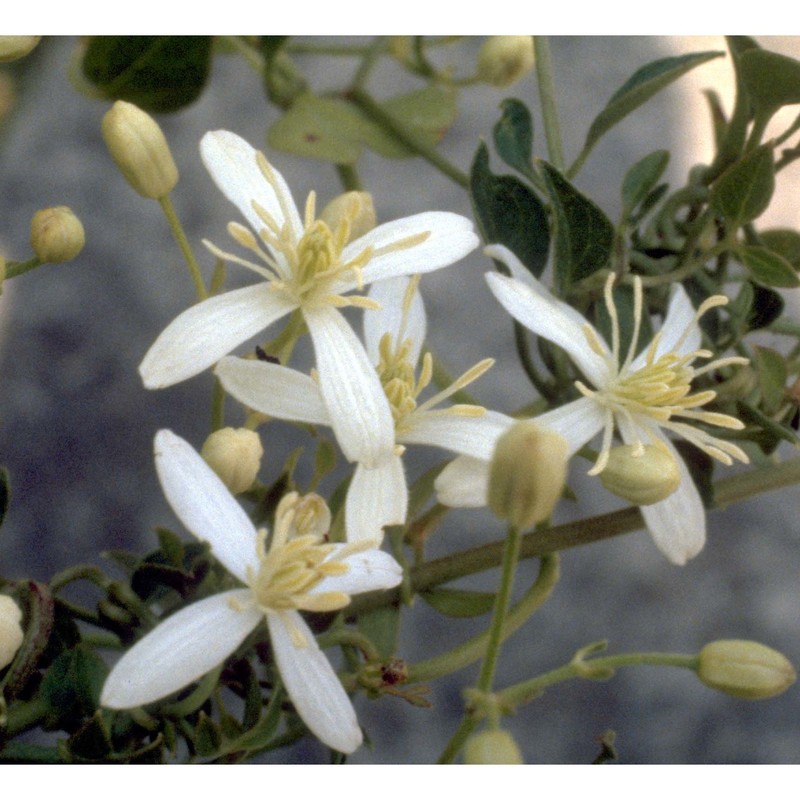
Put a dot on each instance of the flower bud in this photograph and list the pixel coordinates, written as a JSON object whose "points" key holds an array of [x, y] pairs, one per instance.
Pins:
{"points": [[139, 149], [527, 473], [14, 47], [306, 515], [642, 479], [56, 235], [745, 669], [492, 747], [235, 455], [502, 60], [11, 634], [356, 208]]}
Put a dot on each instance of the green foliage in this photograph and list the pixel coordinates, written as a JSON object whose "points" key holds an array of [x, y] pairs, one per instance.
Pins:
{"points": [[513, 136], [584, 235], [745, 189], [157, 73], [785, 242], [772, 375], [772, 80], [767, 267], [459, 602], [509, 213], [641, 179]]}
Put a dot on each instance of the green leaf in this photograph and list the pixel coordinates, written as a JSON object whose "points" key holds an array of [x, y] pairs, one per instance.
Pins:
{"points": [[772, 80], [584, 235], [785, 242], [157, 73], [513, 135], [772, 376], [640, 87], [623, 303], [641, 179], [509, 213], [382, 627], [459, 602], [744, 190], [71, 687], [766, 308], [768, 268]]}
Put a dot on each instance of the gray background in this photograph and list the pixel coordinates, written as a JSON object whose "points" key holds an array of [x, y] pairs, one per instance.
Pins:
{"points": [[76, 426]]}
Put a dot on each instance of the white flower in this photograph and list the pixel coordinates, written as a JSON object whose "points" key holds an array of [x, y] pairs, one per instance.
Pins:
{"points": [[641, 396], [307, 266], [378, 495], [296, 571]]}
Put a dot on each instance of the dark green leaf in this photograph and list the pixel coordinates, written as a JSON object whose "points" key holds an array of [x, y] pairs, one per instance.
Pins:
{"points": [[92, 741], [785, 242], [509, 213], [207, 736], [767, 307], [171, 546], [513, 135], [641, 178], [459, 602], [768, 268], [772, 432], [772, 80], [381, 626], [718, 120], [772, 376], [72, 685], [584, 235], [640, 87], [744, 190], [157, 73]]}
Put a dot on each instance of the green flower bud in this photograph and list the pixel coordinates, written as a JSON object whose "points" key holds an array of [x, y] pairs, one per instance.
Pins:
{"points": [[492, 747], [352, 208], [139, 149], [14, 47], [745, 669], [641, 479], [527, 473], [56, 235], [11, 634], [235, 455], [502, 60]]}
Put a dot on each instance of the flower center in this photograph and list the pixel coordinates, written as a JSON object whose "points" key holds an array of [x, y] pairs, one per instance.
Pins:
{"points": [[660, 388]]}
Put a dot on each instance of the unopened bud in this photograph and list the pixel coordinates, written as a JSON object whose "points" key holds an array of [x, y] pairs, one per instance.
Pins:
{"points": [[356, 209], [56, 235], [527, 473], [745, 669], [502, 60], [235, 455], [139, 149], [492, 747], [641, 479], [11, 634], [14, 47], [305, 515]]}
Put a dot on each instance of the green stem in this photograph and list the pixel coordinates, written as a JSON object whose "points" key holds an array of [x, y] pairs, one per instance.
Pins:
{"points": [[15, 268], [470, 651], [409, 138], [22, 716], [593, 669], [183, 243], [348, 175], [502, 600], [253, 58], [458, 739], [687, 269], [547, 99], [217, 406]]}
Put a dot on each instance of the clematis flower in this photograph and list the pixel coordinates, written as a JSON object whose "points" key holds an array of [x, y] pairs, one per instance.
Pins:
{"points": [[642, 397], [305, 266], [295, 571], [378, 495]]}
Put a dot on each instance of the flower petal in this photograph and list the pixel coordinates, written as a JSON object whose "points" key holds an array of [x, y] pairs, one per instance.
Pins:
{"points": [[678, 523], [680, 316], [201, 335], [204, 505], [463, 483], [181, 649], [370, 570], [391, 318], [359, 411], [546, 316], [273, 389], [231, 161], [469, 436], [313, 686], [376, 497], [577, 421], [450, 238]]}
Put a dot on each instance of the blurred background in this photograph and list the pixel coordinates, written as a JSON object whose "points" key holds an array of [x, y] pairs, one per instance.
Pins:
{"points": [[76, 425]]}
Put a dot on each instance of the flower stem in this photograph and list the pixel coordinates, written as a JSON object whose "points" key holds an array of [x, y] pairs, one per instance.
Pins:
{"points": [[547, 98], [183, 243], [14, 268]]}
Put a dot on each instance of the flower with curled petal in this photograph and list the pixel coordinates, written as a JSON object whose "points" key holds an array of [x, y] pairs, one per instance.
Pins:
{"points": [[394, 335], [306, 267], [296, 570], [641, 396]]}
